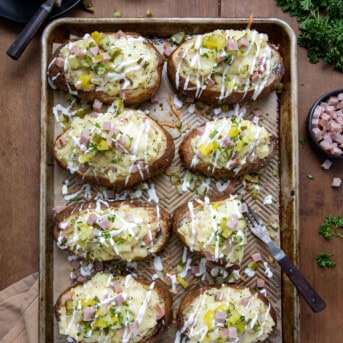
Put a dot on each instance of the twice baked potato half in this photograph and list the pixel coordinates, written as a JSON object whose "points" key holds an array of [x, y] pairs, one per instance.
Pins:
{"points": [[123, 230], [110, 308], [115, 150], [226, 66], [227, 147], [214, 228], [106, 66], [216, 314]]}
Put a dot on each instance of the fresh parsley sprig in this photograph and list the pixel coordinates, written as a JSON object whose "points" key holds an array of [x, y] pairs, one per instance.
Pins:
{"points": [[321, 26], [325, 261], [330, 227]]}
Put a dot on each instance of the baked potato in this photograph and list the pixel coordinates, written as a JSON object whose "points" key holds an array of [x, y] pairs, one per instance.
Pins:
{"points": [[215, 314], [213, 228], [227, 147], [121, 230], [113, 150], [225, 66], [110, 308], [106, 66]]}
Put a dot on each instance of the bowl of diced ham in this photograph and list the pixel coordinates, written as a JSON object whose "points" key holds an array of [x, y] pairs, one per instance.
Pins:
{"points": [[325, 124]]}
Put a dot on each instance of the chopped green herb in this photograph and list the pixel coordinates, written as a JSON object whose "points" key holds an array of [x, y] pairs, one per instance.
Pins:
{"points": [[148, 13], [311, 177], [325, 261], [330, 227], [117, 13], [213, 133], [88, 5], [302, 141]]}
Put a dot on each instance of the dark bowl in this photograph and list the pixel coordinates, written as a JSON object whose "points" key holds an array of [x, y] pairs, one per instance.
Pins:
{"points": [[313, 139]]}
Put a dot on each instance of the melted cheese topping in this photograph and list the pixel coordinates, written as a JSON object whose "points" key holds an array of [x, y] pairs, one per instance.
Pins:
{"points": [[96, 312], [104, 234], [216, 229], [226, 61], [110, 63], [231, 143], [133, 144], [241, 312]]}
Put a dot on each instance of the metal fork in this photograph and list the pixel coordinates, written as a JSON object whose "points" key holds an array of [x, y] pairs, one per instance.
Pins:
{"points": [[258, 228]]}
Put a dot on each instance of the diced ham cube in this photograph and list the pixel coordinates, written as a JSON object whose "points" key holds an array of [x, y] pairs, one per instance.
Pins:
{"points": [[244, 207], [220, 317], [323, 104], [133, 326], [243, 43], [245, 301], [336, 182], [336, 151], [210, 83], [318, 111], [233, 222], [323, 122], [232, 332], [333, 101], [85, 136], [195, 269], [327, 137], [76, 264], [119, 299], [81, 279], [260, 283], [325, 116], [160, 312], [227, 142], [117, 287], [326, 145], [97, 105], [182, 53], [337, 137], [315, 122], [94, 50], [95, 114], [59, 62], [105, 223], [65, 297], [106, 57], [120, 34], [333, 126], [106, 126], [88, 313], [326, 164], [168, 51], [220, 57], [92, 218], [330, 110], [232, 45], [219, 296], [256, 257], [224, 332]]}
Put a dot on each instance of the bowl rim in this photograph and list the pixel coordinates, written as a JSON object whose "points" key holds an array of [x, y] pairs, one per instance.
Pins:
{"points": [[309, 122]]}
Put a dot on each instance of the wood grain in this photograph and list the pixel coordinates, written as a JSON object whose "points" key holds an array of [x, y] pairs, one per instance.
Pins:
{"points": [[19, 153]]}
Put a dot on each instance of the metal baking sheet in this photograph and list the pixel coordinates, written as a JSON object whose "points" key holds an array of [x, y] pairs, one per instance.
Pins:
{"points": [[282, 185]]}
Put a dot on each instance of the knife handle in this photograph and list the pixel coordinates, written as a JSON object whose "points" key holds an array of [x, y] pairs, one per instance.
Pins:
{"points": [[30, 29], [312, 298]]}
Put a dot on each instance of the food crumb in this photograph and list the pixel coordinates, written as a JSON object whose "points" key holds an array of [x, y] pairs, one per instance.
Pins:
{"points": [[326, 165], [148, 13]]}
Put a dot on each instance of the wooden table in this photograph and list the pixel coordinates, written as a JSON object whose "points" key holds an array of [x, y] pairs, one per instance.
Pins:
{"points": [[19, 151]]}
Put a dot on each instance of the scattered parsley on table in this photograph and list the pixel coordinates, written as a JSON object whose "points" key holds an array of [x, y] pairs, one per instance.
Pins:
{"points": [[330, 227]]}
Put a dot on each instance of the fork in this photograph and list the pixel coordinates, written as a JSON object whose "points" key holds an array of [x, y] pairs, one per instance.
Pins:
{"points": [[258, 228]]}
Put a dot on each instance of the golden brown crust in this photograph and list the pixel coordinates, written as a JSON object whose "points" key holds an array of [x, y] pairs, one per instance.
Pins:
{"points": [[164, 220], [163, 292], [133, 97], [196, 291], [157, 167], [182, 212], [210, 96], [186, 155]]}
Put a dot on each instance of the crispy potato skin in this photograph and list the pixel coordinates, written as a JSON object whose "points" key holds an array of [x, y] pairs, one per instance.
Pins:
{"points": [[211, 96], [157, 167], [165, 220], [182, 212], [186, 155], [163, 292], [134, 97], [196, 291]]}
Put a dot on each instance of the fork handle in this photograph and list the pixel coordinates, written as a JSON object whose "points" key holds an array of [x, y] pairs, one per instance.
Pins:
{"points": [[312, 298]]}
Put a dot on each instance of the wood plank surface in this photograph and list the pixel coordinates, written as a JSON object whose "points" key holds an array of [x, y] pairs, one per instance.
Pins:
{"points": [[19, 153]]}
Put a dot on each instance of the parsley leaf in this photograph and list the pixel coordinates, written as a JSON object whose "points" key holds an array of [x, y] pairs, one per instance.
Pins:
{"points": [[325, 261], [330, 227]]}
